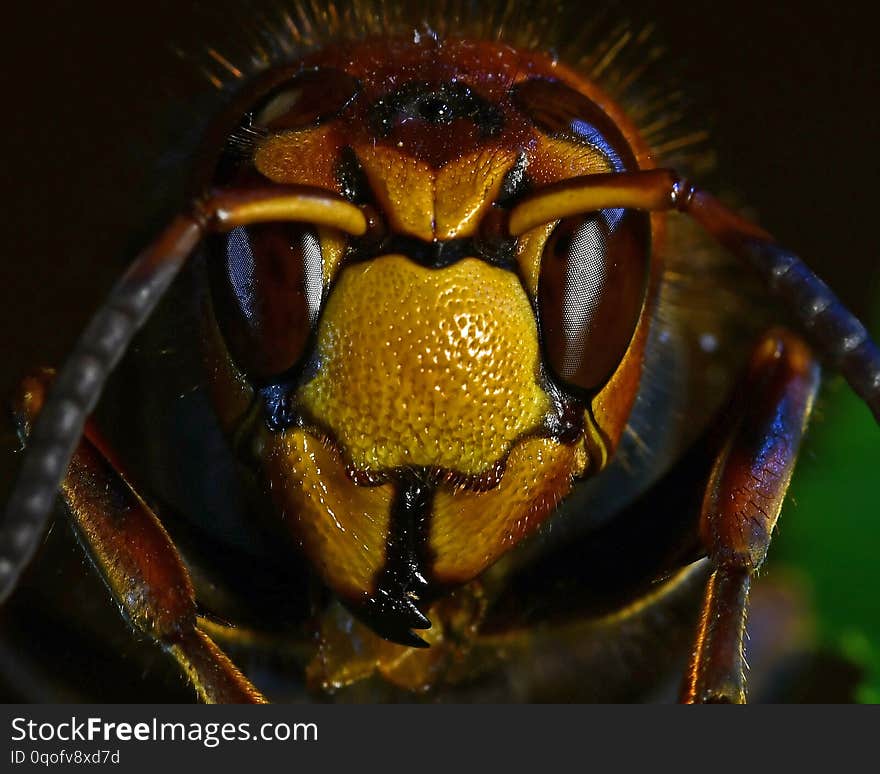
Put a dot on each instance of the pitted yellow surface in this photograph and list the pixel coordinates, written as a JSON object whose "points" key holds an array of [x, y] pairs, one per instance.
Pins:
{"points": [[555, 158], [404, 187], [304, 158], [434, 367], [471, 530], [435, 204], [341, 526], [465, 190]]}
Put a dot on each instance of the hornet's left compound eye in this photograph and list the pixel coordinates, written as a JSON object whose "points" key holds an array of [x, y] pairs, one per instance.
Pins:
{"points": [[308, 99], [592, 286], [267, 295]]}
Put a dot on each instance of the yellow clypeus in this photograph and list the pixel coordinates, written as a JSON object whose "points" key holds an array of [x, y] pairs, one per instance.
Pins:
{"points": [[426, 366]]}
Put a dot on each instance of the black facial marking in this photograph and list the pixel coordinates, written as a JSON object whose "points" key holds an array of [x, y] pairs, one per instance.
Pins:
{"points": [[393, 611], [516, 182], [438, 254], [280, 413], [565, 420], [435, 104], [351, 178]]}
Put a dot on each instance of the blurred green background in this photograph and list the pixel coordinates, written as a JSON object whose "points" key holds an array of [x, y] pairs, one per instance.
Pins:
{"points": [[829, 531]]}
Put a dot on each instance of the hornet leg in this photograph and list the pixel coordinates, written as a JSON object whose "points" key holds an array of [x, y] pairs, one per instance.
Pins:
{"points": [[137, 559], [744, 496]]}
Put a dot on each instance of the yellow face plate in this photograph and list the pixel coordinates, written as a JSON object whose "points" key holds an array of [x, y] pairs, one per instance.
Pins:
{"points": [[430, 367]]}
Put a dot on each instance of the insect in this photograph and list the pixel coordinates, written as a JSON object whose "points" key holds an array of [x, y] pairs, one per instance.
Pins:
{"points": [[447, 165]]}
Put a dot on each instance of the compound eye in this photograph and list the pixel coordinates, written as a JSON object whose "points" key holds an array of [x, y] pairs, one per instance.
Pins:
{"points": [[561, 111], [307, 99], [594, 276], [268, 294]]}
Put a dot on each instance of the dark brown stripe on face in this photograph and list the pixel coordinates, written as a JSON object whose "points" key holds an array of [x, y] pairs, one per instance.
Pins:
{"points": [[401, 586]]}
